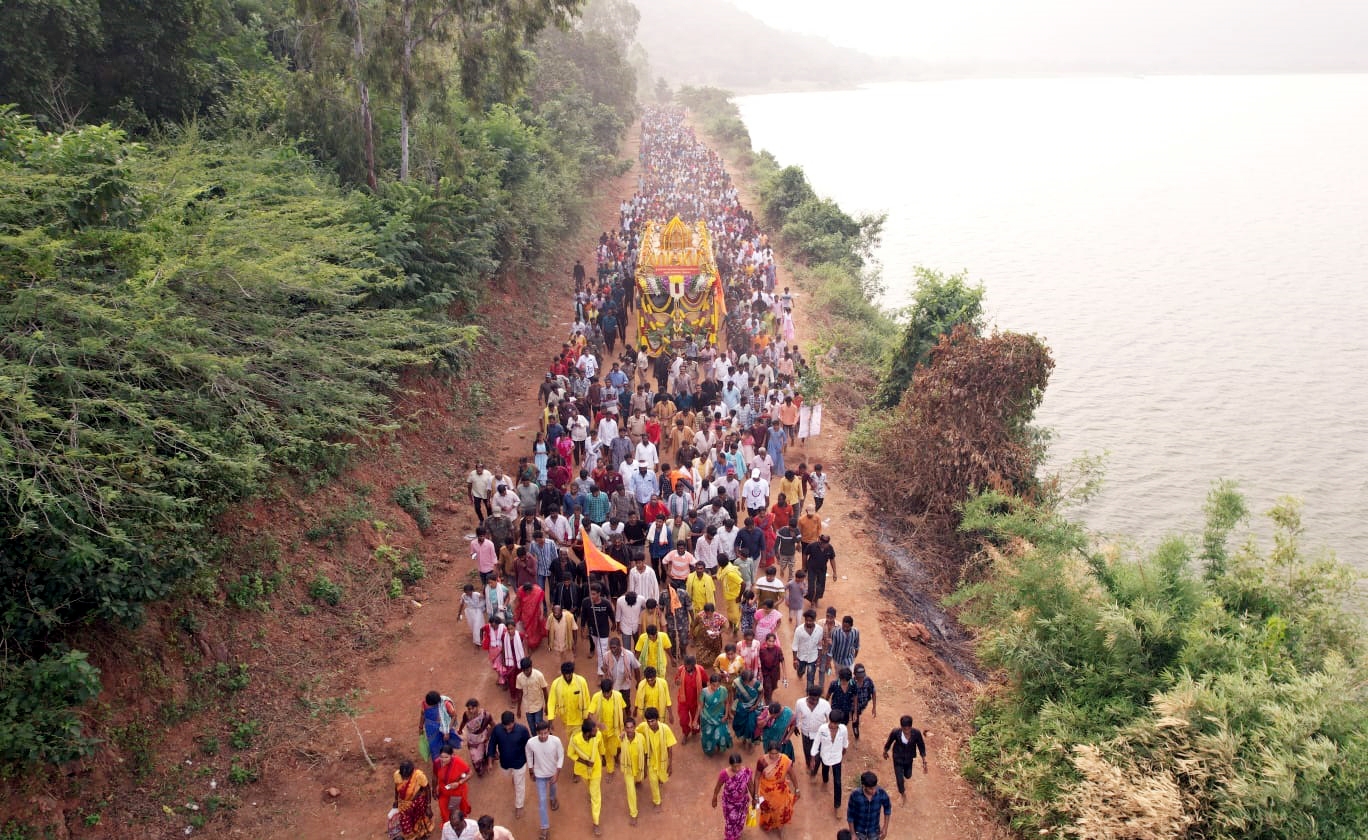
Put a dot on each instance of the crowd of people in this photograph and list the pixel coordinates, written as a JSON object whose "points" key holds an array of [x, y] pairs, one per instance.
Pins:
{"points": [[672, 533]]}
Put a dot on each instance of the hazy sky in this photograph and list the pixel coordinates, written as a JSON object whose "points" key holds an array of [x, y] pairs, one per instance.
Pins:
{"points": [[1255, 32]]}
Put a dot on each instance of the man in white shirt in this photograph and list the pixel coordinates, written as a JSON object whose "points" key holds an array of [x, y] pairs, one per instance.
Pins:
{"points": [[545, 756], [726, 538], [557, 527], [481, 484], [829, 749], [579, 433], [642, 580], [810, 714], [755, 493], [588, 365], [608, 430], [646, 451], [807, 646], [705, 550]]}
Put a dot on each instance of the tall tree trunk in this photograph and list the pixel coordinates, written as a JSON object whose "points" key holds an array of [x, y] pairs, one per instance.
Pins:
{"points": [[363, 92], [406, 93]]}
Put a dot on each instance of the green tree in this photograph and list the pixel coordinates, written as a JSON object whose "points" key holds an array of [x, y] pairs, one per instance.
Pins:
{"points": [[939, 304]]}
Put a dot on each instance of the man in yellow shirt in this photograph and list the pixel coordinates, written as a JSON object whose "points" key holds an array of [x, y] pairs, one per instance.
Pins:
{"points": [[792, 487], [701, 587], [653, 649], [731, 583], [608, 710], [660, 741], [586, 750], [568, 698], [654, 693], [633, 762]]}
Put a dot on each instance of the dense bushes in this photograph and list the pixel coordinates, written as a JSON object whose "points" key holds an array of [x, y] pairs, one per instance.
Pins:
{"points": [[1185, 694], [177, 322]]}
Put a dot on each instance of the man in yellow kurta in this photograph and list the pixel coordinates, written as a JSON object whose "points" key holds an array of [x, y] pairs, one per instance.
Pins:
{"points": [[568, 698], [653, 693], [701, 587], [660, 741], [586, 750], [608, 710], [653, 649], [633, 758], [730, 581]]}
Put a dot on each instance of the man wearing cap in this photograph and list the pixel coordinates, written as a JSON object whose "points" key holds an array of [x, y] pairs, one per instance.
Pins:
{"points": [[480, 481], [755, 494]]}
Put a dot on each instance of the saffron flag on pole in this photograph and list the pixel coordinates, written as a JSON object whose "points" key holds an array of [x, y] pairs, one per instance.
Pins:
{"points": [[594, 558], [674, 600]]}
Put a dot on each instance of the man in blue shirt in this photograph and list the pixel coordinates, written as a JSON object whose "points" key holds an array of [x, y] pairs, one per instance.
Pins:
{"points": [[508, 743], [864, 808]]}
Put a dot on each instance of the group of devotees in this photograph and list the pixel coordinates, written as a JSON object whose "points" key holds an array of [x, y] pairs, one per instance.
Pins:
{"points": [[665, 528]]}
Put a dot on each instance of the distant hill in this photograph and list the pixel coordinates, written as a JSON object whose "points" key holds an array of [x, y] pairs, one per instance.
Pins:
{"points": [[712, 42]]}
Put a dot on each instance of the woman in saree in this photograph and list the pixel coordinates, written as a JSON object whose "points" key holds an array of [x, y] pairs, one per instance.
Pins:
{"points": [[776, 788], [449, 776], [531, 601], [713, 715], [540, 451], [436, 726], [771, 665], [746, 691], [734, 784], [776, 728], [706, 633], [476, 726], [413, 801]]}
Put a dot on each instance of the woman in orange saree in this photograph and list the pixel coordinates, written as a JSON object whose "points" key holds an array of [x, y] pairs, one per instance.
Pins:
{"points": [[776, 786], [413, 800]]}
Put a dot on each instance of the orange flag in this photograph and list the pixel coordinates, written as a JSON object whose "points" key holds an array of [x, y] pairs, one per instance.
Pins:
{"points": [[674, 599], [594, 559]]}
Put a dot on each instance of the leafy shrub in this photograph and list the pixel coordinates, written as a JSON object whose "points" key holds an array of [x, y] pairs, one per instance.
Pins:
{"points": [[244, 733], [412, 499], [241, 774], [396, 588], [38, 721], [1184, 694], [412, 569], [323, 589]]}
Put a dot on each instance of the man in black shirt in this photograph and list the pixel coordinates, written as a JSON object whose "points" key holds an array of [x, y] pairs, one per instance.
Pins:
{"points": [[635, 531], [818, 557], [905, 742], [596, 619], [508, 743]]}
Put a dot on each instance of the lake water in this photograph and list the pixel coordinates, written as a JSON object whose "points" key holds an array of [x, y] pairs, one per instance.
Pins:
{"points": [[1193, 249]]}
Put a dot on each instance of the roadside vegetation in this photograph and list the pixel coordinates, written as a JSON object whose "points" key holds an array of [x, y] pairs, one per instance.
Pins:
{"points": [[227, 235]]}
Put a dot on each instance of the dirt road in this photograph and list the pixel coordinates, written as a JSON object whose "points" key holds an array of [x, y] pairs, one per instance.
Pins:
{"points": [[434, 651]]}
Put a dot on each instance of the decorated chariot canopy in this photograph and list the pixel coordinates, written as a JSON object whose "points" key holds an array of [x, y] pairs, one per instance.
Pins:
{"points": [[682, 299]]}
